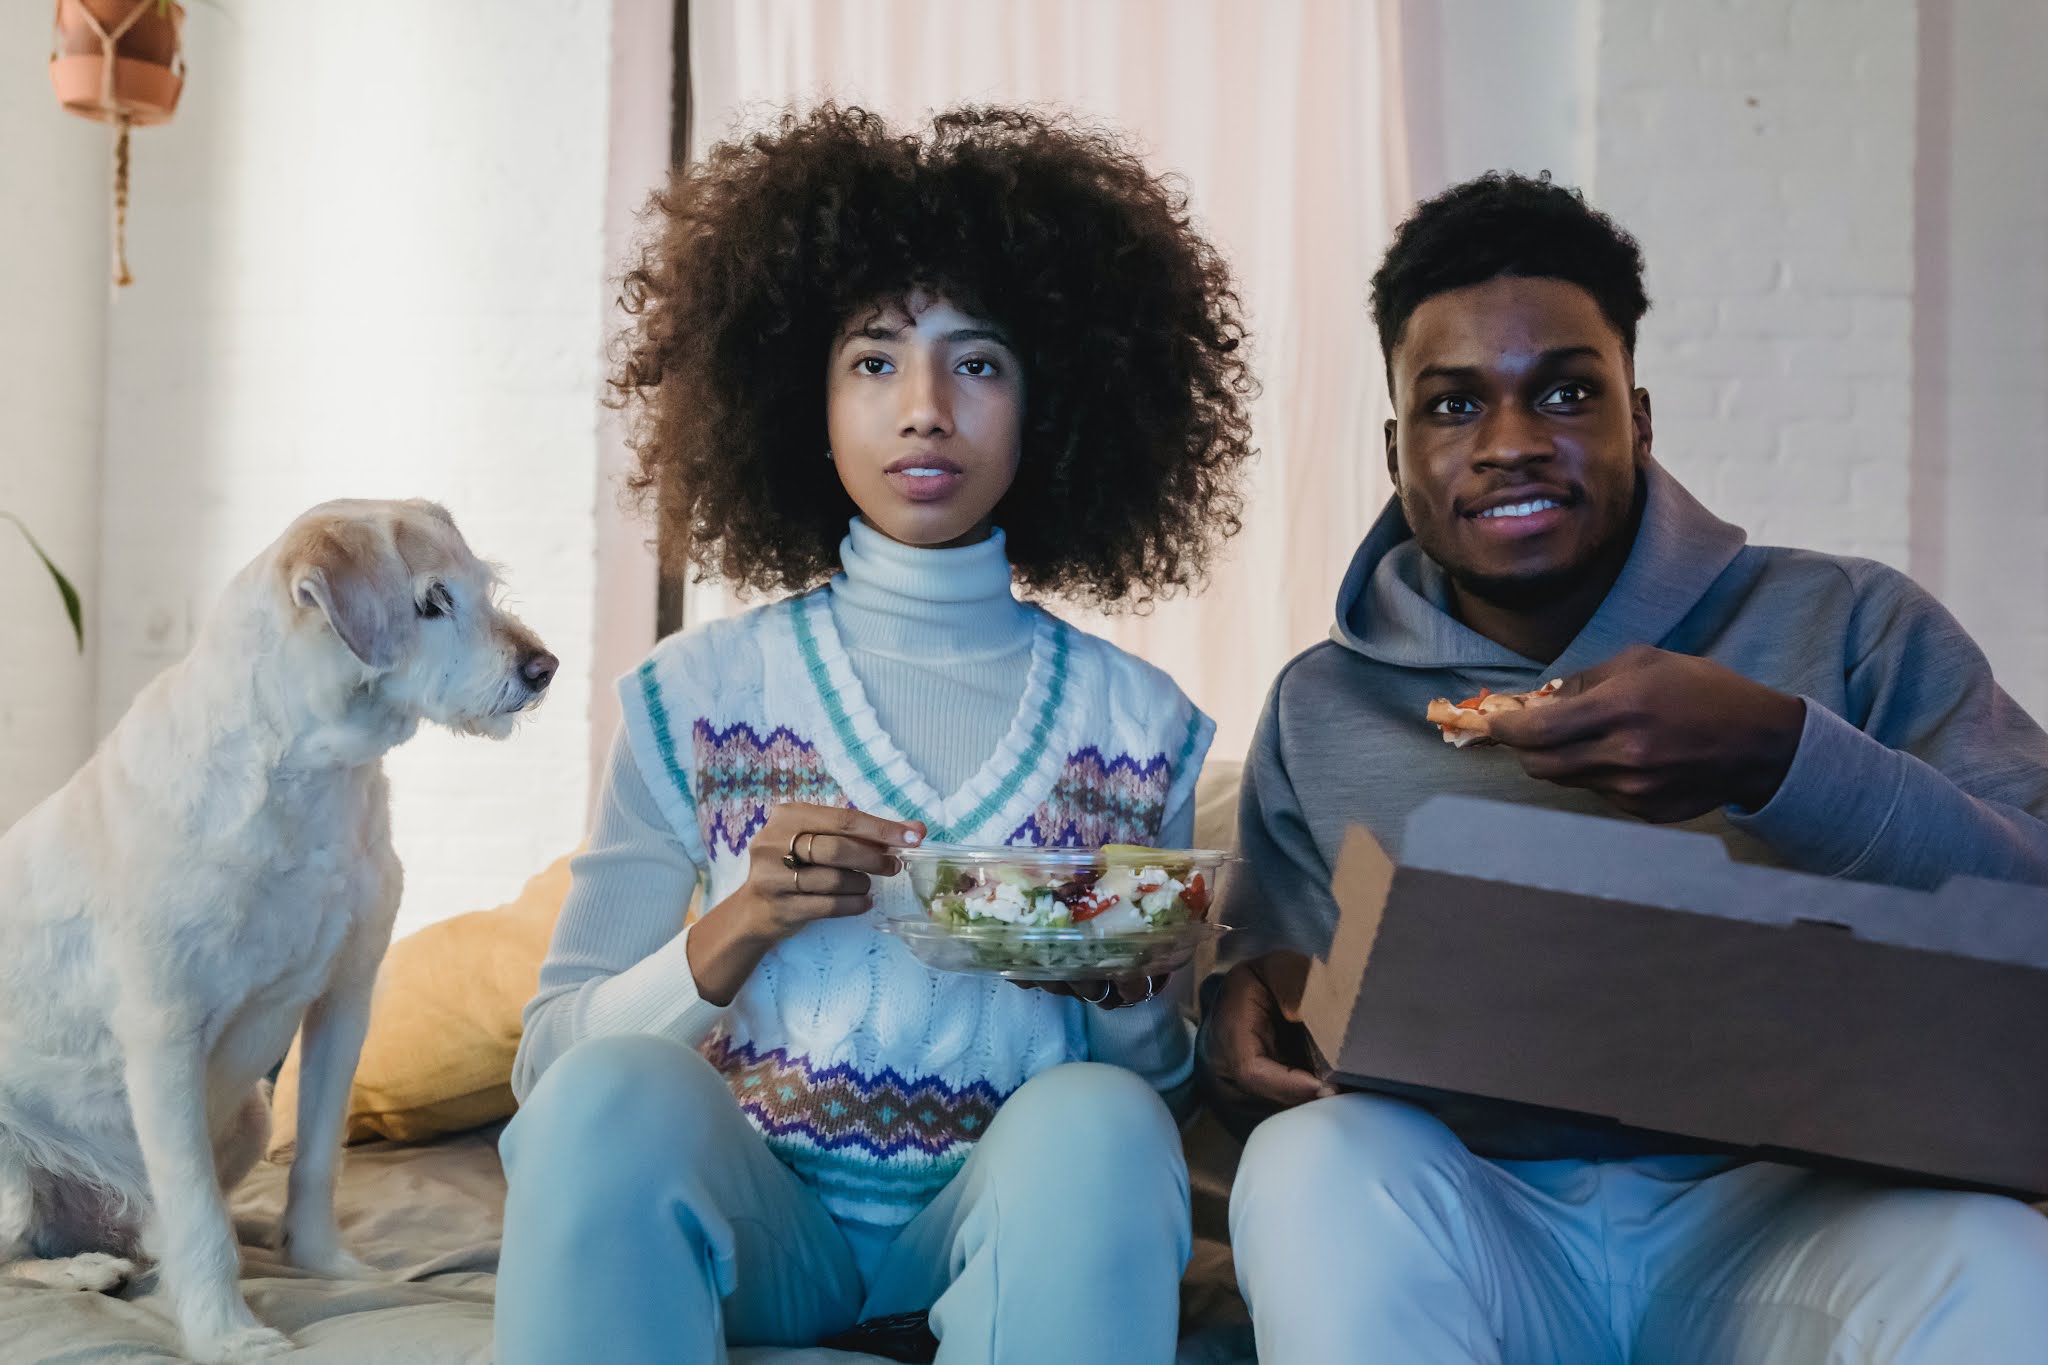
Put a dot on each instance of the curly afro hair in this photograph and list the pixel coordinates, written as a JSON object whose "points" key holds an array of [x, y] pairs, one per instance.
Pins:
{"points": [[1504, 224], [1135, 426]]}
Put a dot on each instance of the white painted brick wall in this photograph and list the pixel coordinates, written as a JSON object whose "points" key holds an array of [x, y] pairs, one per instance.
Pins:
{"points": [[1765, 153], [369, 257], [53, 287], [1762, 151]]}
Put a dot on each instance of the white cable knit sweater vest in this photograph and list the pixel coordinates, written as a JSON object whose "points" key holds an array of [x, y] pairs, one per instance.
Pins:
{"points": [[869, 1074]]}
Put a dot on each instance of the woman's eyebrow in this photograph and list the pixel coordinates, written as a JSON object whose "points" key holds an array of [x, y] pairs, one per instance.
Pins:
{"points": [[884, 331], [977, 334]]}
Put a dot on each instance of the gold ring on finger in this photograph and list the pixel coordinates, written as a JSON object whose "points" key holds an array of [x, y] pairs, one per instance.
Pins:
{"points": [[790, 859]]}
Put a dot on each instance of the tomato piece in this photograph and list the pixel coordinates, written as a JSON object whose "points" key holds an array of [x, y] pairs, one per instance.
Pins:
{"points": [[1087, 906], [1470, 702], [1195, 896]]}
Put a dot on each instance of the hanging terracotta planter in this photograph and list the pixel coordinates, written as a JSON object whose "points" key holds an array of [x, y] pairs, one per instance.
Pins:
{"points": [[119, 62]]}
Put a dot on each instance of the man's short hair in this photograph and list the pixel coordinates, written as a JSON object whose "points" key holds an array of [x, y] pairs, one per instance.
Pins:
{"points": [[1506, 224]]}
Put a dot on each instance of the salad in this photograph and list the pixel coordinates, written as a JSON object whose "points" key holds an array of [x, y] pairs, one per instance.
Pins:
{"points": [[1131, 889], [1058, 914]]}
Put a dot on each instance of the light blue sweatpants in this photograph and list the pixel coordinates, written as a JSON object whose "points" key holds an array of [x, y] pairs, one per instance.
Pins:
{"points": [[1365, 1231], [646, 1219]]}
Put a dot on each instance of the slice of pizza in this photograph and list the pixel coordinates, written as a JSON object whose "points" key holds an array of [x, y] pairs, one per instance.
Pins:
{"points": [[1466, 722]]}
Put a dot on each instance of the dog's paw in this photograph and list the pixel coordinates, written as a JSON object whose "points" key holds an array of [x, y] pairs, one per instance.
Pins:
{"points": [[243, 1344], [93, 1272]]}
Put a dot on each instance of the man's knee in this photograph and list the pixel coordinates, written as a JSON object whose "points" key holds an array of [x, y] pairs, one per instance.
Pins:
{"points": [[1311, 1161], [1996, 1249], [1938, 1275], [1356, 1138]]}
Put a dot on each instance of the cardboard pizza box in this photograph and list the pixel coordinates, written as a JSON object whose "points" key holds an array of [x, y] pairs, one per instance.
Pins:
{"points": [[1624, 974]]}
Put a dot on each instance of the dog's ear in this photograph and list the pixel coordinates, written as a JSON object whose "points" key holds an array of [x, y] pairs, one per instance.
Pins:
{"points": [[351, 574]]}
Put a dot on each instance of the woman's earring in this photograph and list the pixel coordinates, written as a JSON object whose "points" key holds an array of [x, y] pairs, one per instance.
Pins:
{"points": [[828, 454]]}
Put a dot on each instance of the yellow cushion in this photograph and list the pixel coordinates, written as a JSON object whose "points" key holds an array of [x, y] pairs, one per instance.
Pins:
{"points": [[444, 1023]]}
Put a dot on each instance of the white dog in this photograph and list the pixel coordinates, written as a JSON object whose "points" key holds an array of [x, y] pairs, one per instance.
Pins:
{"points": [[218, 875]]}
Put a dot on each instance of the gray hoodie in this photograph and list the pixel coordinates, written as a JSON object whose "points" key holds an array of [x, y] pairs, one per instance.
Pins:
{"points": [[1913, 764]]}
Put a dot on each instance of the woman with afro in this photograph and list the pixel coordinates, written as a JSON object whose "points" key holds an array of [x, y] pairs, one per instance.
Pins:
{"points": [[891, 379]]}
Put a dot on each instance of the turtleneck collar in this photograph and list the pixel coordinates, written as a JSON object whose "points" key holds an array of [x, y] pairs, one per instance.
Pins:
{"points": [[927, 605]]}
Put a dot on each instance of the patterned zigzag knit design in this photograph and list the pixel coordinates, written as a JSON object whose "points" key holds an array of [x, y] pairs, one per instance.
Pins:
{"points": [[918, 1129], [1097, 801], [742, 777]]}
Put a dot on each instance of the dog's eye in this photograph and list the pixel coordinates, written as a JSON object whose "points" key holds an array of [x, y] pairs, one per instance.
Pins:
{"points": [[437, 602]]}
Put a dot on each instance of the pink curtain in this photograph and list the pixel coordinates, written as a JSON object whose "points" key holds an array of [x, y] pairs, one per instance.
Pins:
{"points": [[1282, 119]]}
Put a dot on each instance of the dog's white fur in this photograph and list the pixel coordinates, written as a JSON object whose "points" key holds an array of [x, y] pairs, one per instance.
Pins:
{"points": [[217, 876]]}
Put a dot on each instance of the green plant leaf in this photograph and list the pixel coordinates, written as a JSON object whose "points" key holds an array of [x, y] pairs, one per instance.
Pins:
{"points": [[72, 606]]}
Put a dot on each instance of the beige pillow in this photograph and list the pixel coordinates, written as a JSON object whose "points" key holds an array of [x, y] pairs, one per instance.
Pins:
{"points": [[1216, 804], [444, 1024], [1215, 827]]}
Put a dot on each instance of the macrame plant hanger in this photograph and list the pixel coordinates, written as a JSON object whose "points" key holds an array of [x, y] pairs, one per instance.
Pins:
{"points": [[111, 108]]}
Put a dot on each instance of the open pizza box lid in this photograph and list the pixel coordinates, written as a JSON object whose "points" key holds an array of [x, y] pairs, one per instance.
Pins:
{"points": [[1613, 972]]}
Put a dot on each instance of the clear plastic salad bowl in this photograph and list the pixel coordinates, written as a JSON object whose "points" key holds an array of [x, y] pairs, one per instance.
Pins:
{"points": [[1057, 914]]}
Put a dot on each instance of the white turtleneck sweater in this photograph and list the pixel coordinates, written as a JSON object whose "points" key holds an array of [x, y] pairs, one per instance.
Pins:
{"points": [[938, 642], [941, 646]]}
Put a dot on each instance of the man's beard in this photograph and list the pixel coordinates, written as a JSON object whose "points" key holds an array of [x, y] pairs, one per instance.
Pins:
{"points": [[1530, 590]]}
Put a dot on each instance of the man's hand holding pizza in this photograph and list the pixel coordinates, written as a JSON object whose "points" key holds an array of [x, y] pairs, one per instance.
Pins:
{"points": [[1661, 736]]}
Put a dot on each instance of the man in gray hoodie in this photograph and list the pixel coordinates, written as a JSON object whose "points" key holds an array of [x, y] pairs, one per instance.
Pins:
{"points": [[1814, 712]]}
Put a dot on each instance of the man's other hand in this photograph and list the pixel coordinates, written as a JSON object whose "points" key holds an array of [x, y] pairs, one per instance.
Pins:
{"points": [[1254, 1050]]}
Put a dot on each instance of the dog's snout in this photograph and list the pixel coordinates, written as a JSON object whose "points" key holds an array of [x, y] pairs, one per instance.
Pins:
{"points": [[538, 668]]}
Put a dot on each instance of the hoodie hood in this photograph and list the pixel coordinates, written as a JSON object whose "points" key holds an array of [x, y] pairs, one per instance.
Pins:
{"points": [[1394, 603]]}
